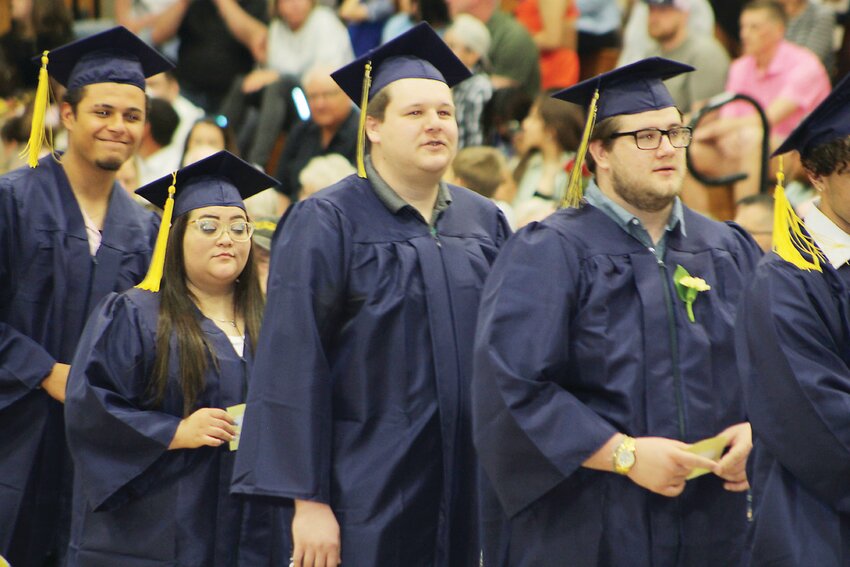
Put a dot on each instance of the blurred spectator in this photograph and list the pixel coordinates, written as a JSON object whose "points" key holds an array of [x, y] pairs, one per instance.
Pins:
{"points": [[165, 86], [411, 12], [207, 137], [216, 39], [727, 14], [552, 24], [365, 20], [811, 25], [484, 170], [469, 39], [261, 244], [503, 119], [331, 129], [36, 25], [755, 215], [128, 176], [788, 81], [638, 44], [323, 171], [13, 138], [138, 16], [300, 36], [598, 36], [156, 154], [674, 39], [513, 56]]}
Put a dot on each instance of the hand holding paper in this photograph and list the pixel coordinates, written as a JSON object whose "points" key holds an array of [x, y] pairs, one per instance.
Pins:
{"points": [[237, 412]]}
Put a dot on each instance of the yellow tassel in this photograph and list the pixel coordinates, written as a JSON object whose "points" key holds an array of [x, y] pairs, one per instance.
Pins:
{"points": [[154, 276], [575, 191], [789, 240], [42, 95], [361, 129]]}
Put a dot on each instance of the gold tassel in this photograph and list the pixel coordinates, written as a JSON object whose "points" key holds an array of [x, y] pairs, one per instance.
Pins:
{"points": [[789, 240], [154, 276], [40, 104], [361, 129], [575, 191]]}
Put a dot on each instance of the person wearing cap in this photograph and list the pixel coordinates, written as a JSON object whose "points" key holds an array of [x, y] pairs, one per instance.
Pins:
{"points": [[604, 349], [358, 408], [69, 235], [155, 372], [793, 334]]}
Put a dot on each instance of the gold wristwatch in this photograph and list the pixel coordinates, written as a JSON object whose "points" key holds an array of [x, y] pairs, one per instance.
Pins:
{"points": [[624, 455]]}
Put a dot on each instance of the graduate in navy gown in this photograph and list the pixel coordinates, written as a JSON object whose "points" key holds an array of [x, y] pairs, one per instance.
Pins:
{"points": [[155, 371], [593, 375], [358, 409], [794, 337], [69, 235]]}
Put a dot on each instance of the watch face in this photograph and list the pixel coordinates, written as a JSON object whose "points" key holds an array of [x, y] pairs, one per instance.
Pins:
{"points": [[625, 459]]}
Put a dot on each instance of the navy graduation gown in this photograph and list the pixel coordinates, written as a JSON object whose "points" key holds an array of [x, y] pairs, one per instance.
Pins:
{"points": [[581, 335], [794, 339], [50, 283], [360, 392], [137, 504]]}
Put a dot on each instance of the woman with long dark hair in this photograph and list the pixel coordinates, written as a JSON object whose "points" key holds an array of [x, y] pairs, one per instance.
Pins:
{"points": [[152, 400]]}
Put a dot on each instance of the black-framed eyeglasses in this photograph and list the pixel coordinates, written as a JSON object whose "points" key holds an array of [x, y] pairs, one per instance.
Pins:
{"points": [[650, 138], [239, 231]]}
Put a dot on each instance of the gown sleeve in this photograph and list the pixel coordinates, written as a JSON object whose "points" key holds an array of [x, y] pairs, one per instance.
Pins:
{"points": [[291, 383], [531, 433], [797, 380], [24, 363], [119, 447]]}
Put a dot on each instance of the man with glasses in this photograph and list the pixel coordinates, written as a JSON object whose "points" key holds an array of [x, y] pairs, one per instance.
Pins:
{"points": [[604, 350]]}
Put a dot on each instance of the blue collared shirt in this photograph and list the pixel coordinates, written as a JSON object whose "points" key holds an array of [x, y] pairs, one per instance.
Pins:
{"points": [[631, 224]]}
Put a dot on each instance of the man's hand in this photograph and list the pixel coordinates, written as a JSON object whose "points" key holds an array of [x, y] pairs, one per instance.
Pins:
{"points": [[207, 426], [257, 79], [662, 465], [315, 535], [55, 382], [732, 467]]}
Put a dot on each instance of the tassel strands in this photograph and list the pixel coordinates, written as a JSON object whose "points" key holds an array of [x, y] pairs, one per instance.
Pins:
{"points": [[361, 129], [575, 191], [790, 241], [42, 101], [153, 279]]}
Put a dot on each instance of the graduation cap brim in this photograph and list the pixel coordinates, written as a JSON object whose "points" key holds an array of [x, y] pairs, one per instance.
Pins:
{"points": [[631, 89], [222, 179], [416, 54], [112, 56], [829, 121]]}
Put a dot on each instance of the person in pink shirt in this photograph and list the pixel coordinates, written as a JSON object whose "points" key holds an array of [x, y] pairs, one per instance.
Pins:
{"points": [[788, 82]]}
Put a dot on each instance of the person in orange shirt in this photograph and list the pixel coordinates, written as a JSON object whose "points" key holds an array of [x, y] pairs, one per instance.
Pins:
{"points": [[552, 24]]}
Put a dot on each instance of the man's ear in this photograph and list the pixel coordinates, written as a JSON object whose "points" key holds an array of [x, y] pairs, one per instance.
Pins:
{"points": [[372, 133], [818, 181], [67, 115], [597, 149]]}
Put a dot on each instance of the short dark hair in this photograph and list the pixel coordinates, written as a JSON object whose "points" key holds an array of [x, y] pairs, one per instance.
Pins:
{"points": [[164, 121], [826, 159], [602, 131], [75, 95], [772, 7]]}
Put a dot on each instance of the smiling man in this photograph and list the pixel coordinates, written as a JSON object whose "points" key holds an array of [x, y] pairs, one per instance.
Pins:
{"points": [[593, 374], [358, 409], [69, 235]]}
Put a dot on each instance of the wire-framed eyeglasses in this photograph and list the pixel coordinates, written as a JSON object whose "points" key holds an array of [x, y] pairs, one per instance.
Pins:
{"points": [[650, 138], [239, 231]]}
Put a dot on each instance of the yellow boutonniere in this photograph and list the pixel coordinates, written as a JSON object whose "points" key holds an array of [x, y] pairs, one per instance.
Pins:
{"points": [[688, 287]]}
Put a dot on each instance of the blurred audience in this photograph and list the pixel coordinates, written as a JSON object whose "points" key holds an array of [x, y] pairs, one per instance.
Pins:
{"points": [[365, 21], [552, 24], [411, 12], [331, 129], [139, 16], [811, 25], [157, 154], [13, 138], [207, 136], [755, 215], [469, 39], [261, 244], [300, 36], [599, 39], [484, 170], [638, 43], [166, 87], [323, 171]]}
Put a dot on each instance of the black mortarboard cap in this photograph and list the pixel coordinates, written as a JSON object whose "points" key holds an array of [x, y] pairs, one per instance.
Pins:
{"points": [[829, 121], [112, 56], [637, 87]]}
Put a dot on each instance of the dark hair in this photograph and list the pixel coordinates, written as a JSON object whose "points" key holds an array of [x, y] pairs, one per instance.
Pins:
{"points": [[226, 131], [602, 131], [826, 159], [179, 318], [52, 22], [163, 120], [566, 118], [481, 168], [75, 95], [377, 107], [772, 7], [17, 129]]}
